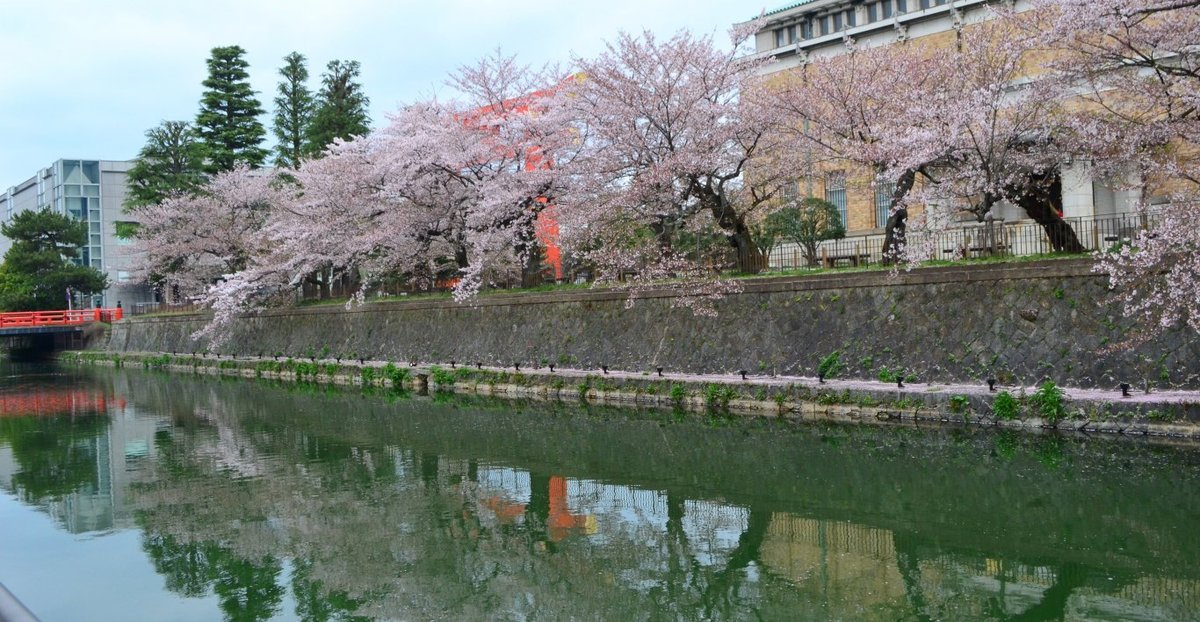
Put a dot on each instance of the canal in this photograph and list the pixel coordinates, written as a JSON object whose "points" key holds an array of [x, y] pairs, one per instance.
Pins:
{"points": [[135, 495]]}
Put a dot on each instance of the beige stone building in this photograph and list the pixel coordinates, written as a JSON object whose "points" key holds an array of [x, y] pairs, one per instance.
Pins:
{"points": [[798, 32]]}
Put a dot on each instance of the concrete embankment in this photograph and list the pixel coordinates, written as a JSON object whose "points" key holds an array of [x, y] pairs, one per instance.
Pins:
{"points": [[1019, 323], [1163, 415]]}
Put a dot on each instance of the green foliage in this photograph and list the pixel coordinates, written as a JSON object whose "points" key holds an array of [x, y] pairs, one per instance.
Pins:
{"points": [[1005, 406], [37, 270], [156, 362], [831, 365], [443, 377], [1006, 444], [126, 230], [889, 375], [678, 394], [959, 404], [294, 106], [171, 162], [228, 122], [1050, 402], [805, 224], [341, 108], [717, 396], [368, 376], [397, 376]]}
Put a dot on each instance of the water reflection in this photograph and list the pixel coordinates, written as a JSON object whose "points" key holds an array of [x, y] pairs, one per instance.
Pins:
{"points": [[320, 505]]}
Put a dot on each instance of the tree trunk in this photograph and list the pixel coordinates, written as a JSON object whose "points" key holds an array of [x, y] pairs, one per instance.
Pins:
{"points": [[750, 260], [1041, 198], [897, 222]]}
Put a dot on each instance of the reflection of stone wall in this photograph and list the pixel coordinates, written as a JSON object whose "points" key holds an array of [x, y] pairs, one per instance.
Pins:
{"points": [[1021, 321]]}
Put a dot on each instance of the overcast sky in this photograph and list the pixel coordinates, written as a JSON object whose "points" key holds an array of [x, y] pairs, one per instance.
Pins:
{"points": [[87, 79]]}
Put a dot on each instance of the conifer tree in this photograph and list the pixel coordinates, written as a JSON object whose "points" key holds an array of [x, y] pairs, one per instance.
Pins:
{"points": [[341, 107], [294, 107], [228, 120], [170, 163], [38, 270]]}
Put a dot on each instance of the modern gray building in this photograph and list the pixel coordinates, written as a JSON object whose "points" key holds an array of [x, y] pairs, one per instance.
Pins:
{"points": [[92, 191]]}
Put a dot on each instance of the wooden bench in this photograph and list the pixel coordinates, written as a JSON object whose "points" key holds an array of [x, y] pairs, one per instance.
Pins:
{"points": [[855, 258]]}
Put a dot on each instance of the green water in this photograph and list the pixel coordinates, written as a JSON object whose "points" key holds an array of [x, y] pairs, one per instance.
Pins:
{"points": [[127, 495]]}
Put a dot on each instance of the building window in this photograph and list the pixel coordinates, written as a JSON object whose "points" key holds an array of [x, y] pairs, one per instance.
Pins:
{"points": [[883, 201], [790, 192], [901, 6], [872, 12], [886, 8], [835, 192], [824, 25], [851, 18], [806, 29], [785, 36], [837, 22]]}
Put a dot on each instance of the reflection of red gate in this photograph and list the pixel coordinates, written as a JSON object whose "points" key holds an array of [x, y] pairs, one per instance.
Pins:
{"points": [[49, 402], [26, 319], [560, 523]]}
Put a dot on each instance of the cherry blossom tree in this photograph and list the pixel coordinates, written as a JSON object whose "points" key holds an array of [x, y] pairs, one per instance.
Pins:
{"points": [[463, 180], [188, 242], [488, 164], [671, 130], [998, 121], [1133, 65], [856, 109]]}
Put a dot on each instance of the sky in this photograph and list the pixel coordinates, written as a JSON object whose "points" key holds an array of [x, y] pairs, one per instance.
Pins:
{"points": [[87, 79]]}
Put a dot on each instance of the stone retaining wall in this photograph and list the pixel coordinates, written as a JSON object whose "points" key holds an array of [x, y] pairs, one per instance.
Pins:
{"points": [[1019, 322]]}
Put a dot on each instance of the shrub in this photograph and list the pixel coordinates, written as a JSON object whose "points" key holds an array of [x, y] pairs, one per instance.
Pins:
{"points": [[443, 377], [1005, 406], [396, 375], [831, 365], [959, 404], [678, 394], [1050, 402]]}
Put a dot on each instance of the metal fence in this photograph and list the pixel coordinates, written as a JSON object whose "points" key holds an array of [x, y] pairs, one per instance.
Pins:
{"points": [[971, 240]]}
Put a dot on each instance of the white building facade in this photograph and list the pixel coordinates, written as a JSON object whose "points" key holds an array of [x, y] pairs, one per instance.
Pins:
{"points": [[92, 191]]}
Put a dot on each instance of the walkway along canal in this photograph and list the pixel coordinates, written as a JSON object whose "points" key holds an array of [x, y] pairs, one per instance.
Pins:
{"points": [[1174, 414]]}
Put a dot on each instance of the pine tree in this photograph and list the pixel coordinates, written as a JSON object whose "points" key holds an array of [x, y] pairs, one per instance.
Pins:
{"points": [[37, 270], [228, 120], [294, 107], [170, 163], [341, 107]]}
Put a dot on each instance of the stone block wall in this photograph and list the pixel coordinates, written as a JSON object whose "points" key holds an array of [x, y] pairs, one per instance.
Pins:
{"points": [[1020, 322]]}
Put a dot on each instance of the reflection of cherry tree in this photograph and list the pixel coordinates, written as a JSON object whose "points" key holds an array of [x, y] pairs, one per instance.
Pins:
{"points": [[425, 545]]}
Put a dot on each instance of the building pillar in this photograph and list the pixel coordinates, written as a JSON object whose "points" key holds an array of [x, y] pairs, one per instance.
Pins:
{"points": [[1077, 190]]}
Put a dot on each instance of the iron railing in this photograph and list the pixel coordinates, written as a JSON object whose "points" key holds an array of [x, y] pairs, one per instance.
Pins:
{"points": [[970, 240]]}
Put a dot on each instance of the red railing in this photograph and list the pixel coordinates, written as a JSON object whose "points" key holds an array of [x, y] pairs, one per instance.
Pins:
{"points": [[24, 319]]}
